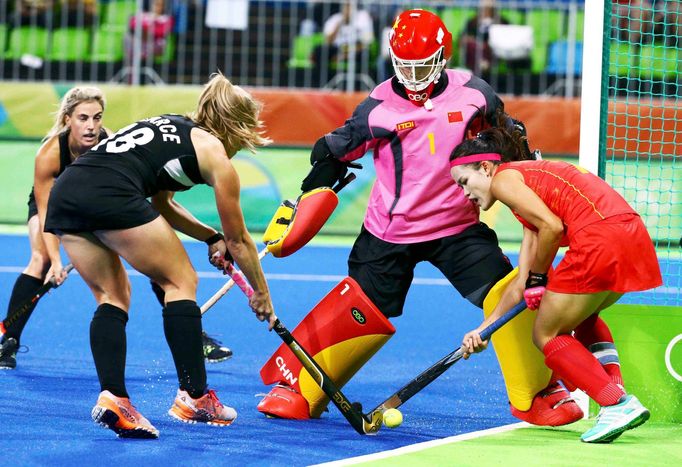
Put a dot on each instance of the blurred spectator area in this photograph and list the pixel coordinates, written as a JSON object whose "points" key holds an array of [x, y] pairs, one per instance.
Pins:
{"points": [[74, 40]]}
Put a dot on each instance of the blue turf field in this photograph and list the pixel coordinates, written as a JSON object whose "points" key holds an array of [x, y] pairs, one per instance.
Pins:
{"points": [[45, 404]]}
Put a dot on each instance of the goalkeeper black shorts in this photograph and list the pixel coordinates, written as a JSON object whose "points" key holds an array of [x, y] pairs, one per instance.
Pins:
{"points": [[472, 261]]}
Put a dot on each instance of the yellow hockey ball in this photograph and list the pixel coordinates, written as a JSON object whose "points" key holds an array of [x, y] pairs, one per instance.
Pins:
{"points": [[393, 418]]}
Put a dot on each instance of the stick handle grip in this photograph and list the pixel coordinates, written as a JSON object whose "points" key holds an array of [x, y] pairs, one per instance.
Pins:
{"points": [[502, 320], [239, 279]]}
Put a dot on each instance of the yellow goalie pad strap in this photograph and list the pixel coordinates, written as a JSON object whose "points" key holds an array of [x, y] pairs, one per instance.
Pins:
{"points": [[522, 364], [301, 221], [341, 362], [280, 222]]}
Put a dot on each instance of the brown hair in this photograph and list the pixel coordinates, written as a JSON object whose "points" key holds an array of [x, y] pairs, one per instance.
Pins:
{"points": [[507, 138], [230, 114], [69, 102]]}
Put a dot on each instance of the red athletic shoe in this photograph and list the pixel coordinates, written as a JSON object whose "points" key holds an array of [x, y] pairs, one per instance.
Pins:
{"points": [[553, 406], [284, 402]]}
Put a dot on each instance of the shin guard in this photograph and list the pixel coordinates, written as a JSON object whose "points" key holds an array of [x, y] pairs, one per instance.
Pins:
{"points": [[341, 333]]}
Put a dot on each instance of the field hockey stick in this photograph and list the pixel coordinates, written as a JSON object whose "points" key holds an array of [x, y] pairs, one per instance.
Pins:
{"points": [[228, 285], [434, 371], [360, 423], [24, 307]]}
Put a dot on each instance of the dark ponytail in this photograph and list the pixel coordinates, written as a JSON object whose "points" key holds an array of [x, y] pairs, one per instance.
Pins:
{"points": [[508, 139]]}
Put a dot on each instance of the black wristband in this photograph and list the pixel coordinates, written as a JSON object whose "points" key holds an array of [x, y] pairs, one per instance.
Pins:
{"points": [[536, 279], [214, 238]]}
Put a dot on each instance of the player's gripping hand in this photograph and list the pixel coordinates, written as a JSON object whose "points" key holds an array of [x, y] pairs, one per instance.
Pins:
{"points": [[472, 343], [56, 274], [261, 305], [218, 255], [536, 285]]}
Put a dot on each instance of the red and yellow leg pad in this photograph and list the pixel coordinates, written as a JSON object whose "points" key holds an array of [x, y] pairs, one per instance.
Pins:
{"points": [[342, 332], [534, 395], [522, 364]]}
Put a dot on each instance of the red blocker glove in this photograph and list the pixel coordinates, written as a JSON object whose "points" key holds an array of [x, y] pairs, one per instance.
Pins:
{"points": [[535, 289]]}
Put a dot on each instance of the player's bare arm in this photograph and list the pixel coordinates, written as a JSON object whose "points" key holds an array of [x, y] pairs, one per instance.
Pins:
{"points": [[217, 170], [45, 170]]}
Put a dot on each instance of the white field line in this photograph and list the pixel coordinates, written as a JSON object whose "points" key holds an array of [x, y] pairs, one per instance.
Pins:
{"points": [[317, 278], [425, 445]]}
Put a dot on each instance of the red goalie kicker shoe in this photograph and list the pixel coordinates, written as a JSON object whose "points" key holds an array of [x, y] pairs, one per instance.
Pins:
{"points": [[284, 402], [553, 406]]}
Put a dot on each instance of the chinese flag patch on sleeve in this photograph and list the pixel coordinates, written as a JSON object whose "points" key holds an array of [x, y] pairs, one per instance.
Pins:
{"points": [[454, 117]]}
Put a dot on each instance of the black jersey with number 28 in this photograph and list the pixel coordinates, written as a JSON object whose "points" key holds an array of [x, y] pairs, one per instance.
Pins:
{"points": [[157, 152]]}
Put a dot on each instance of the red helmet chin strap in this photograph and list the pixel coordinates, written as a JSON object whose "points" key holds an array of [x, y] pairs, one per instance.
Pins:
{"points": [[418, 98]]}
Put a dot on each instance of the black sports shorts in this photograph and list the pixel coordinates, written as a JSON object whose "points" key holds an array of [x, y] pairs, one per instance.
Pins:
{"points": [[32, 205], [86, 198], [472, 261]]}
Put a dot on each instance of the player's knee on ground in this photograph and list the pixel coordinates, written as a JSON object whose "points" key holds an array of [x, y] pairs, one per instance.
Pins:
{"points": [[342, 332]]}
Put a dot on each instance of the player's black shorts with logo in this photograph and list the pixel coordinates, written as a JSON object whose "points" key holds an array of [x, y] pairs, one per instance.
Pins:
{"points": [[472, 261]]}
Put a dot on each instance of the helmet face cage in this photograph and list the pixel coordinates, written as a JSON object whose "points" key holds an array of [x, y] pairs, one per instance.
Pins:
{"points": [[417, 75]]}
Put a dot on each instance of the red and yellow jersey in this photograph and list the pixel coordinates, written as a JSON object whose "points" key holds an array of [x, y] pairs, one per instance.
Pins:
{"points": [[573, 194]]}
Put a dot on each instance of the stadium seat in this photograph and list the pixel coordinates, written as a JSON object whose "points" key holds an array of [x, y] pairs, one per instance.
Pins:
{"points": [[513, 16], [70, 44], [117, 14], [302, 50], [579, 25], [658, 62], [107, 45], [3, 39], [27, 40], [548, 26], [557, 63], [455, 19], [622, 59], [168, 52]]}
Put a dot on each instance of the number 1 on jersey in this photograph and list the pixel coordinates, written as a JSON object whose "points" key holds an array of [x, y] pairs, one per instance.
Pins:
{"points": [[432, 142]]}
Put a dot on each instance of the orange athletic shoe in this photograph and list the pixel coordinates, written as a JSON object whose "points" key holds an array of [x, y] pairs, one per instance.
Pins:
{"points": [[553, 406], [206, 409], [119, 415], [284, 402]]}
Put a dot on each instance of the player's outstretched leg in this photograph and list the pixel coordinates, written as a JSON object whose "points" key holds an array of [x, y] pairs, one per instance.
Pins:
{"points": [[214, 350], [119, 415], [342, 333], [206, 409]]}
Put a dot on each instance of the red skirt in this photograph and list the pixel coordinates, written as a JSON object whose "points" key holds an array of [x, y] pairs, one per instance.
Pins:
{"points": [[615, 254]]}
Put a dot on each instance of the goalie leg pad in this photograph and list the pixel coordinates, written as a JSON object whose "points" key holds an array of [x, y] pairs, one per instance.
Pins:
{"points": [[292, 228], [342, 332], [534, 395]]}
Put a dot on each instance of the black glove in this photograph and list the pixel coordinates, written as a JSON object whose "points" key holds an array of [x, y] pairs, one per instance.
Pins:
{"points": [[327, 170]]}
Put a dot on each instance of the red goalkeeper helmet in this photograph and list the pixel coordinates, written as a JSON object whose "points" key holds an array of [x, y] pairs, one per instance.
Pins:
{"points": [[420, 46]]}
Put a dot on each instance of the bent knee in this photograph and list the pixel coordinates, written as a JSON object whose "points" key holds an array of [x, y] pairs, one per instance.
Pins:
{"points": [[39, 263]]}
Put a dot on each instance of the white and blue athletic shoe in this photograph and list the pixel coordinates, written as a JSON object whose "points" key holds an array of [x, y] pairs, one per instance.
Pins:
{"points": [[613, 420]]}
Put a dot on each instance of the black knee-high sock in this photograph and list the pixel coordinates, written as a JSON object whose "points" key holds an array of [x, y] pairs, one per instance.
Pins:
{"points": [[108, 345], [25, 287], [182, 326]]}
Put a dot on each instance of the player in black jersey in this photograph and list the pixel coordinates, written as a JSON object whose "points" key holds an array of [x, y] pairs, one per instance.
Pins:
{"points": [[99, 208], [77, 128]]}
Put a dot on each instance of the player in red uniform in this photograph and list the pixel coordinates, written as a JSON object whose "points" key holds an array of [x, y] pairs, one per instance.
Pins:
{"points": [[563, 205]]}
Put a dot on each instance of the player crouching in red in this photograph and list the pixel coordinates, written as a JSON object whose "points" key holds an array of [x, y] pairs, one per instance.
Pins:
{"points": [[563, 205]]}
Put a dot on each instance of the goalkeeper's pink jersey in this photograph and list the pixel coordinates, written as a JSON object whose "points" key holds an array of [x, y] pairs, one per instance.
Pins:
{"points": [[414, 199]]}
